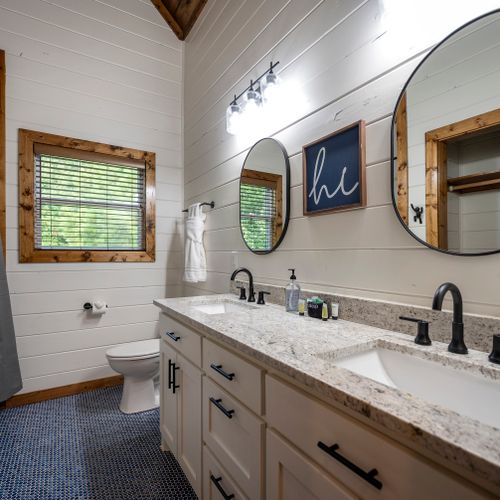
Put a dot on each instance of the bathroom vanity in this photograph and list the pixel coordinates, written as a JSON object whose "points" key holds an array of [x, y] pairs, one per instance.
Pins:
{"points": [[255, 403]]}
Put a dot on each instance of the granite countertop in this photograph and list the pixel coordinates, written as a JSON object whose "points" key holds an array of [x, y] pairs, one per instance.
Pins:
{"points": [[303, 348]]}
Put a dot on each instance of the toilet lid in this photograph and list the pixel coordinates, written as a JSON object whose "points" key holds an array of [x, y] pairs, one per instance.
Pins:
{"points": [[142, 348]]}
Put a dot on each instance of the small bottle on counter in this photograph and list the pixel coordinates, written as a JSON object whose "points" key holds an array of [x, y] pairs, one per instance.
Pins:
{"points": [[335, 311], [324, 311], [302, 307]]}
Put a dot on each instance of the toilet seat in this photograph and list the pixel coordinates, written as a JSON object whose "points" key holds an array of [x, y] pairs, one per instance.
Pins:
{"points": [[143, 349]]}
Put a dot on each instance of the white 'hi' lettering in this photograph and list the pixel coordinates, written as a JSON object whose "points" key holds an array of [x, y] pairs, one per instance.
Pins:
{"points": [[317, 175]]}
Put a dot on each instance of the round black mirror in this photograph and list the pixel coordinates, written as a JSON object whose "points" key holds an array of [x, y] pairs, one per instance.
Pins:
{"points": [[446, 143], [265, 196]]}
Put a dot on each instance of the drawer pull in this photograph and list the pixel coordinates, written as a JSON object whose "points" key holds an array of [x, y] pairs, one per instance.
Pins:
{"points": [[220, 371], [217, 402], [216, 481], [367, 476], [172, 336]]}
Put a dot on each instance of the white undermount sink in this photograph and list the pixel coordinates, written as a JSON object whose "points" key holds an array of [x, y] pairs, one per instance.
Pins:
{"points": [[223, 307], [459, 390]]}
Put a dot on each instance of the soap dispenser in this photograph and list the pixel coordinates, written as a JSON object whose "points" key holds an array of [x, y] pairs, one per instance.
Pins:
{"points": [[292, 293]]}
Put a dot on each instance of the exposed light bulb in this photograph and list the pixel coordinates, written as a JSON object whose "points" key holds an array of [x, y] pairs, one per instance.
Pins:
{"points": [[269, 86], [233, 118]]}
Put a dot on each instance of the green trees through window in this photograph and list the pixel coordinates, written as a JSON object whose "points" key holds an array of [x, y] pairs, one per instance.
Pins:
{"points": [[82, 204], [257, 215]]}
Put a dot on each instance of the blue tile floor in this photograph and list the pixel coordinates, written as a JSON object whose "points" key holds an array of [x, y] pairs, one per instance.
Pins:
{"points": [[83, 447]]}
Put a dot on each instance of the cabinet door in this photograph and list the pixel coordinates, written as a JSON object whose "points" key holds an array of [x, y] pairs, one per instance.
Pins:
{"points": [[189, 444], [291, 476], [168, 400]]}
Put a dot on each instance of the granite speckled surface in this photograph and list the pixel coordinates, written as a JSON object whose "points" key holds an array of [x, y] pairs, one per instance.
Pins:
{"points": [[479, 330], [303, 348]]}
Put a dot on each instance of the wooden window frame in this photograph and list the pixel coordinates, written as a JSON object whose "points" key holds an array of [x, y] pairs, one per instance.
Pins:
{"points": [[436, 171], [27, 250], [275, 182]]}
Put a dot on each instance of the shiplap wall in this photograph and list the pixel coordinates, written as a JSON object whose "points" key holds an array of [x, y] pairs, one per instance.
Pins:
{"points": [[107, 71], [350, 67]]}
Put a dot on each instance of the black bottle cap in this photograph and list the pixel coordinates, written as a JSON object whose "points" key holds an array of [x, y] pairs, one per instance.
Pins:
{"points": [[293, 277]]}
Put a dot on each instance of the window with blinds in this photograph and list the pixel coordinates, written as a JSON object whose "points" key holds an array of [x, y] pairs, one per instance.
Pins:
{"points": [[84, 201], [258, 215]]}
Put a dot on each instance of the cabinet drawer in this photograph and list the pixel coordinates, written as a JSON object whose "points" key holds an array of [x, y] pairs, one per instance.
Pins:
{"points": [[216, 481], [181, 338], [292, 476], [235, 436], [238, 377], [307, 423]]}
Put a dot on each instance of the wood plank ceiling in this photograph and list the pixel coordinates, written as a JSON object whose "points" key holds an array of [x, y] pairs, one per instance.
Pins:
{"points": [[180, 14]]}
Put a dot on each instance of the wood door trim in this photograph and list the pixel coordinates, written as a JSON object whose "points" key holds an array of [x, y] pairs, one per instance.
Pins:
{"points": [[402, 160], [436, 178], [59, 392]]}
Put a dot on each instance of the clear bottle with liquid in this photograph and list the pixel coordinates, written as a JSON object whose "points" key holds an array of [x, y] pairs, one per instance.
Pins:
{"points": [[292, 294]]}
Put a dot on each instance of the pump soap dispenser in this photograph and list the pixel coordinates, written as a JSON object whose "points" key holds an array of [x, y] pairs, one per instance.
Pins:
{"points": [[292, 294]]}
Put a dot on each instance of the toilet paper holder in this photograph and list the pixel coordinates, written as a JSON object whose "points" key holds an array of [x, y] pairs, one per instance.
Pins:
{"points": [[88, 306]]}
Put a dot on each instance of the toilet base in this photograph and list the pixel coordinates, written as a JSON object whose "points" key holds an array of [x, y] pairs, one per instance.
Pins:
{"points": [[139, 395]]}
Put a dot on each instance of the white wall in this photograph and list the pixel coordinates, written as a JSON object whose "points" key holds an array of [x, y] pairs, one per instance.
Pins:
{"points": [[107, 71], [349, 68]]}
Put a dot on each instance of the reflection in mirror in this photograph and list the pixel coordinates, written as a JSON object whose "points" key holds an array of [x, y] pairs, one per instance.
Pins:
{"points": [[446, 143], [264, 197]]}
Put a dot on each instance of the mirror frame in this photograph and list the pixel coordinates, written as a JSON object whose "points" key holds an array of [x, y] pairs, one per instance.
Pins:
{"points": [[287, 204], [393, 142]]}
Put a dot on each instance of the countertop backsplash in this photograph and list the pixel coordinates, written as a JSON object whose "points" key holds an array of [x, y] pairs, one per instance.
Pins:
{"points": [[478, 329]]}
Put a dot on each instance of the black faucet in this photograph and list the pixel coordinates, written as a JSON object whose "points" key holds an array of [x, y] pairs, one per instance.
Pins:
{"points": [[457, 344], [251, 292]]}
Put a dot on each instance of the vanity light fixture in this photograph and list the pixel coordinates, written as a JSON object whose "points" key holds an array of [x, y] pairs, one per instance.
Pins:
{"points": [[255, 96]]}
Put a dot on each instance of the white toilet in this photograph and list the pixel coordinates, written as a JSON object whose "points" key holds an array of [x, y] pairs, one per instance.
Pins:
{"points": [[139, 363]]}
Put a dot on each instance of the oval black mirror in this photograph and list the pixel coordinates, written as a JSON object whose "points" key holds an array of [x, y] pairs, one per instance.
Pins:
{"points": [[265, 196], [446, 143]]}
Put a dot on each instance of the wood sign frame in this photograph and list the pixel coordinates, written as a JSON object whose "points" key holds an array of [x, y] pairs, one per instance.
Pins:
{"points": [[334, 170]]}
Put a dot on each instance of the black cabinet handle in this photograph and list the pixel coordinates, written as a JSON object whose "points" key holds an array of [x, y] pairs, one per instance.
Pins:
{"points": [[217, 402], [172, 336], [174, 384], [170, 373], [220, 371], [367, 476], [216, 481]]}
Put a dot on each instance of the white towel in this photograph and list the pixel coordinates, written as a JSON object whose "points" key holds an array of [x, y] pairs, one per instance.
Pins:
{"points": [[195, 263]]}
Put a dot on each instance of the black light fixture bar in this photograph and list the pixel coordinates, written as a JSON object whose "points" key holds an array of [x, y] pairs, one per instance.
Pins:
{"points": [[257, 80]]}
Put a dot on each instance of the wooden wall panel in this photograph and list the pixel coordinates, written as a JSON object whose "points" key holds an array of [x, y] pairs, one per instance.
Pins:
{"points": [[349, 68], [111, 72]]}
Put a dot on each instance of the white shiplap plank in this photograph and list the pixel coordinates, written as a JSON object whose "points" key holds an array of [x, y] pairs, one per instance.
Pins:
{"points": [[351, 70], [109, 72]]}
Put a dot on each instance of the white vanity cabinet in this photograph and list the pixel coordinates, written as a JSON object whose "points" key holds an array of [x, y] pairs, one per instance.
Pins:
{"points": [[240, 431], [180, 412]]}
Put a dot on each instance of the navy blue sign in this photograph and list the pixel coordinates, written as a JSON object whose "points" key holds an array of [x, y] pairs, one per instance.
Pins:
{"points": [[334, 171]]}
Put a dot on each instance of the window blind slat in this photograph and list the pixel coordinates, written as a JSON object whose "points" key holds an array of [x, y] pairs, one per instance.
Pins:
{"points": [[81, 204]]}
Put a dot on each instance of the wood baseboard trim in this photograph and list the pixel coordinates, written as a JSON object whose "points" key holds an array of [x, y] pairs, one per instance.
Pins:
{"points": [[59, 392]]}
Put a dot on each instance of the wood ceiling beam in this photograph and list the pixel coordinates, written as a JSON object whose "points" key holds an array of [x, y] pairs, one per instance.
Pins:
{"points": [[167, 15]]}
